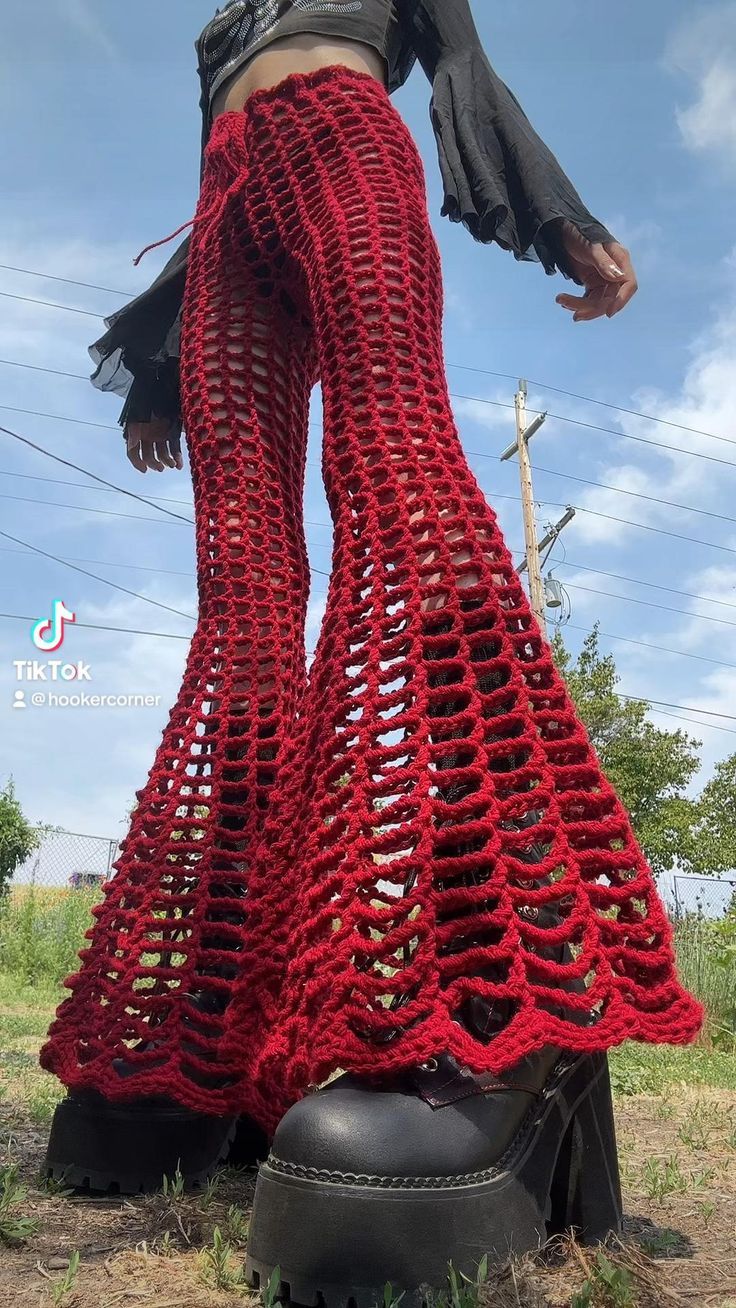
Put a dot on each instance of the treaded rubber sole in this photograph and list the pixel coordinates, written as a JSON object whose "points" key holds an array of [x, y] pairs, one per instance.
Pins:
{"points": [[102, 1147], [338, 1242]]}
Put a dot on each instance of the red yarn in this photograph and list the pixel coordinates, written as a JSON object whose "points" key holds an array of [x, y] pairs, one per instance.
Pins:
{"points": [[342, 862]]}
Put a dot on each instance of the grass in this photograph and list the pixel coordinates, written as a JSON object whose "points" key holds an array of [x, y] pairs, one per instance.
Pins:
{"points": [[652, 1069], [676, 1112], [707, 965], [41, 932]]}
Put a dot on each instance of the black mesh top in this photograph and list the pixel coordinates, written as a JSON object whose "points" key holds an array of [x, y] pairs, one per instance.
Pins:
{"points": [[499, 178]]}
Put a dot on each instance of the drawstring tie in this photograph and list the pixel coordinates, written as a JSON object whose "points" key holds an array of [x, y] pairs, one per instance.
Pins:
{"points": [[212, 210], [155, 244]]}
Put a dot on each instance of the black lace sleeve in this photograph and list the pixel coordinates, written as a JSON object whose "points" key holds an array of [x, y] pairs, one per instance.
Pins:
{"points": [[500, 179], [138, 356]]}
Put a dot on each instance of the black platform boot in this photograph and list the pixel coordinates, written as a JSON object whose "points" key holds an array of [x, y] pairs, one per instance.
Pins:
{"points": [[390, 1182], [127, 1148], [101, 1146], [368, 1185]]}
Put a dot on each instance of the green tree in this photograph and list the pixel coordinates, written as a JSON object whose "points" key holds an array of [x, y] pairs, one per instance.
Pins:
{"points": [[713, 844], [650, 769], [18, 838]]}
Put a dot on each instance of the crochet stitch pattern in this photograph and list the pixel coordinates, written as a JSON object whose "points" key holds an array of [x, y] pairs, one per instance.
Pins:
{"points": [[344, 864]]}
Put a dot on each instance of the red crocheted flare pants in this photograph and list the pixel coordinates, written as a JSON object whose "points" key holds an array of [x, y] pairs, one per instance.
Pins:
{"points": [[385, 859]]}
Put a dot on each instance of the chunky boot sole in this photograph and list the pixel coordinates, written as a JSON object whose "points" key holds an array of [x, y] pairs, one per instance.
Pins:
{"points": [[103, 1147], [337, 1238]]}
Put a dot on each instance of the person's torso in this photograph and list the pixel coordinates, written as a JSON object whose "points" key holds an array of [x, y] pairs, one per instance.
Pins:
{"points": [[302, 52], [244, 27]]}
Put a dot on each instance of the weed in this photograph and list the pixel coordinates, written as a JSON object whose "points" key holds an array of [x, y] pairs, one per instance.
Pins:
{"points": [[269, 1296], [210, 1190], [43, 1097], [660, 1243], [700, 1179], [694, 1133], [606, 1286], [707, 1209], [237, 1224], [173, 1186], [219, 1260], [165, 1246], [662, 1177], [13, 1229], [464, 1291], [55, 1187], [66, 1283]]}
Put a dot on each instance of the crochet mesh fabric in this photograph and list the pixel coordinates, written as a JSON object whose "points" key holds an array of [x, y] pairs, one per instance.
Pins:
{"points": [[334, 871]]}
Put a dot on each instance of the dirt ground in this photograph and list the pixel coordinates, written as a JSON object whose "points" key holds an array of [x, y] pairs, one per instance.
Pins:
{"points": [[677, 1159]]}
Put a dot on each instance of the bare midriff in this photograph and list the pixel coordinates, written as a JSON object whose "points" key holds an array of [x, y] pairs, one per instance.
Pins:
{"points": [[300, 52]]}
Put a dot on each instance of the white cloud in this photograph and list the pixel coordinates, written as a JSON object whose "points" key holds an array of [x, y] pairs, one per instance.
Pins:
{"points": [[704, 49]]}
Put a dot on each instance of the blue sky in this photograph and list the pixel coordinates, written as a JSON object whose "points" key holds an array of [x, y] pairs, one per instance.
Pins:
{"points": [[101, 126]]}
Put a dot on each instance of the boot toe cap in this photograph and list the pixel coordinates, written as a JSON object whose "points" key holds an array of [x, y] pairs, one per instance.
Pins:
{"points": [[349, 1129]]}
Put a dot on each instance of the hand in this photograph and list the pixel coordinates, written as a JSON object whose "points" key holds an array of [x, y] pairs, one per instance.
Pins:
{"points": [[152, 445], [604, 269]]}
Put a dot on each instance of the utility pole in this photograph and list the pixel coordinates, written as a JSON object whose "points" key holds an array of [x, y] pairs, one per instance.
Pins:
{"points": [[521, 446]]}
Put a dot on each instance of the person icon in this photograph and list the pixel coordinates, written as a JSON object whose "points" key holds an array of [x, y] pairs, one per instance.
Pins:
{"points": [[19, 700]]}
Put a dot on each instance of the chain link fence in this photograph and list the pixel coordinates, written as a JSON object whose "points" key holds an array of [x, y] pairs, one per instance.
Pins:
{"points": [[709, 897], [67, 859]]}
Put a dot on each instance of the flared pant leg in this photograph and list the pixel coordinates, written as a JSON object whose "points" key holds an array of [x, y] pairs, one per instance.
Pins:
{"points": [[146, 1009], [409, 902], [415, 834]]}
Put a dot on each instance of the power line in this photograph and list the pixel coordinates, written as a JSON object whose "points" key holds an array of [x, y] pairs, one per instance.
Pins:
{"points": [[635, 581], [92, 475], [170, 635], [627, 522], [61, 417], [476, 399], [97, 626], [107, 563], [589, 399], [642, 526], [104, 580], [49, 304], [81, 485], [644, 440], [649, 604], [36, 367], [68, 281], [662, 649], [486, 372], [638, 495], [692, 540], [86, 508], [680, 717], [687, 708], [157, 499]]}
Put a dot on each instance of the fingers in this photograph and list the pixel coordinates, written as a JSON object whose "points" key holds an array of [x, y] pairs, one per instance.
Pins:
{"points": [[162, 454], [610, 283], [594, 303], [175, 447], [152, 445]]}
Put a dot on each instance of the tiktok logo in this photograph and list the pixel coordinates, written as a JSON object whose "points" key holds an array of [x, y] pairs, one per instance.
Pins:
{"points": [[48, 633]]}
